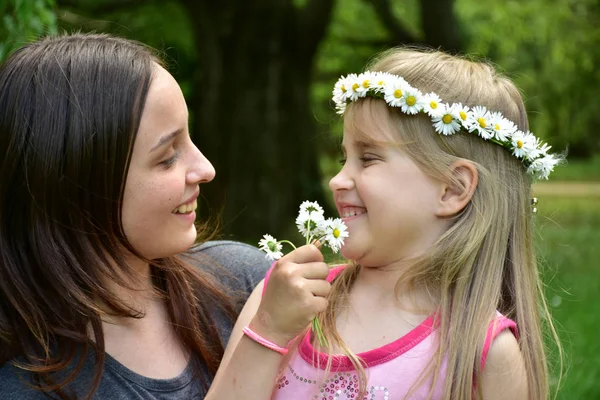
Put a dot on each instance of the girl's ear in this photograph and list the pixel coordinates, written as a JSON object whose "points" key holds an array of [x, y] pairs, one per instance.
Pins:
{"points": [[459, 190]]}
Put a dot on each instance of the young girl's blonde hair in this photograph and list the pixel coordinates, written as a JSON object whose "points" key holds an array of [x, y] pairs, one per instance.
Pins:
{"points": [[485, 261]]}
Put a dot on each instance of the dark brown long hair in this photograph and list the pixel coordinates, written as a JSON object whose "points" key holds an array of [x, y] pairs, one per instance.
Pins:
{"points": [[70, 108]]}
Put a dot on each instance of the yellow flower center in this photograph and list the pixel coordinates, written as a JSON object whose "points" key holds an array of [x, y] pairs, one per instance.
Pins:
{"points": [[519, 144], [433, 104], [343, 89], [366, 83], [355, 86], [336, 233], [463, 115], [380, 83], [397, 93], [447, 118], [497, 127], [411, 100], [482, 122]]}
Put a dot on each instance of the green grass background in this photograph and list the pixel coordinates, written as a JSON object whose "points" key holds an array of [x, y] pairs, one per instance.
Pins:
{"points": [[568, 241]]}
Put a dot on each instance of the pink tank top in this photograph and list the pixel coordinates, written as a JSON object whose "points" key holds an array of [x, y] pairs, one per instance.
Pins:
{"points": [[392, 370]]}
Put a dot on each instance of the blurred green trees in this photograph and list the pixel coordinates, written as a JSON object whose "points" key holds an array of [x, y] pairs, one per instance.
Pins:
{"points": [[24, 20], [258, 75]]}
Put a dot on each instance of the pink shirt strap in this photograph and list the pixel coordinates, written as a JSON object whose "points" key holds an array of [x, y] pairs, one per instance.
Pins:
{"points": [[499, 324]]}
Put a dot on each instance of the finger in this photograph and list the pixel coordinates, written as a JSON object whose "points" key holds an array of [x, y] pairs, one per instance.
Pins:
{"points": [[313, 270], [320, 304], [305, 254], [318, 287]]}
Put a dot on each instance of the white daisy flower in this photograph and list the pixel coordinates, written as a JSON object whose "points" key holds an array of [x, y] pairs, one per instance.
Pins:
{"points": [[380, 81], [311, 207], [543, 166], [412, 101], [309, 223], [445, 123], [271, 246], [335, 232], [394, 91], [432, 104], [540, 150], [461, 113], [480, 122], [340, 91], [340, 108], [352, 86], [502, 127], [365, 81], [523, 144]]}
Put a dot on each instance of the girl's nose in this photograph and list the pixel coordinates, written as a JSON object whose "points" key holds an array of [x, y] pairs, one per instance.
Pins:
{"points": [[201, 171], [342, 181]]}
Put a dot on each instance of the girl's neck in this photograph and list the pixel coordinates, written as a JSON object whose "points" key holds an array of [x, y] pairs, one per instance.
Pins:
{"points": [[384, 287], [138, 294]]}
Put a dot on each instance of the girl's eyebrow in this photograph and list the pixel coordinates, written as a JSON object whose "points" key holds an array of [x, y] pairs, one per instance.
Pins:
{"points": [[166, 139], [364, 145]]}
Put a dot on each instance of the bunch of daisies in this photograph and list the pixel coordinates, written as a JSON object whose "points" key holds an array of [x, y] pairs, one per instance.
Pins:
{"points": [[313, 226]]}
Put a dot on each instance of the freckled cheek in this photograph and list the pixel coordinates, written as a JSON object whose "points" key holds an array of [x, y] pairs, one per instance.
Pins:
{"points": [[152, 196]]}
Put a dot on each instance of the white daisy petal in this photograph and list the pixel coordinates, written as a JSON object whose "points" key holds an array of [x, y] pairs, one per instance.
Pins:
{"points": [[502, 127], [335, 232], [366, 83], [271, 246], [394, 92], [462, 114], [480, 122], [308, 223], [445, 123], [412, 102], [431, 104], [542, 167], [310, 207]]}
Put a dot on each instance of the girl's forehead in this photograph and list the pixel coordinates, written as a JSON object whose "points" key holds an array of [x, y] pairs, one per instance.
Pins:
{"points": [[369, 121], [364, 142]]}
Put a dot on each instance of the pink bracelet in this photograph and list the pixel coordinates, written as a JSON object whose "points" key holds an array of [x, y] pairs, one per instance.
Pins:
{"points": [[264, 342]]}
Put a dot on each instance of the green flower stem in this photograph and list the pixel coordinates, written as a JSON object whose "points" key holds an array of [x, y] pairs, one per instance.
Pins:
{"points": [[288, 242], [316, 327]]}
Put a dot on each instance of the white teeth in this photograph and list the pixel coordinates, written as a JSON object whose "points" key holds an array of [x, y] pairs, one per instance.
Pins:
{"points": [[352, 211], [186, 208]]}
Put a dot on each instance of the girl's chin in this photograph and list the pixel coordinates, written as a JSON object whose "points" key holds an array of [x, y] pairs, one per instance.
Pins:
{"points": [[349, 253]]}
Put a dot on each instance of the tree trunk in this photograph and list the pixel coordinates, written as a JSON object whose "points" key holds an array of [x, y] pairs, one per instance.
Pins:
{"points": [[440, 26], [251, 110]]}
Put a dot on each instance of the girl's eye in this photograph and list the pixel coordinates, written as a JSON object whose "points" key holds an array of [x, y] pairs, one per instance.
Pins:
{"points": [[170, 161], [367, 159], [342, 161]]}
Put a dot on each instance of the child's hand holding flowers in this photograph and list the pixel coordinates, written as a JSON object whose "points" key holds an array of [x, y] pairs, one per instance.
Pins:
{"points": [[314, 227]]}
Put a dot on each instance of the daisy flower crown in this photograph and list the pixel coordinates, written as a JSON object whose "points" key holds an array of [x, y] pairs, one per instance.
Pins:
{"points": [[448, 119]]}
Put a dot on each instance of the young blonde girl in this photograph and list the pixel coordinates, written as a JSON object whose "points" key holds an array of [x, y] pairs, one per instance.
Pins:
{"points": [[442, 298]]}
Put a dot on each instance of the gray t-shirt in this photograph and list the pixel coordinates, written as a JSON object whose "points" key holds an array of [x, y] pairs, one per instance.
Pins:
{"points": [[245, 265]]}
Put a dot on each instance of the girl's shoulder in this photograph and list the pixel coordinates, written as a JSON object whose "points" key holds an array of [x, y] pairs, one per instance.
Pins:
{"points": [[500, 324], [237, 265], [505, 374], [14, 384]]}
